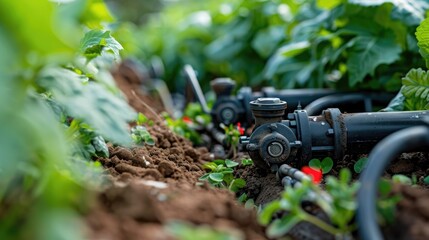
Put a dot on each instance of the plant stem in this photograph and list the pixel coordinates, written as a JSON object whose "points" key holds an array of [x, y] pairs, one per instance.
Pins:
{"points": [[321, 224]]}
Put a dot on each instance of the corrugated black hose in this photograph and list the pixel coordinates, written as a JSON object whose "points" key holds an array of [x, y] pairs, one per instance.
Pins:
{"points": [[385, 151]]}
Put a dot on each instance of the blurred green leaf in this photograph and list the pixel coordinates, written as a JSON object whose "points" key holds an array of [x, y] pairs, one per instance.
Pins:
{"points": [[107, 113], [367, 53], [95, 42], [416, 89]]}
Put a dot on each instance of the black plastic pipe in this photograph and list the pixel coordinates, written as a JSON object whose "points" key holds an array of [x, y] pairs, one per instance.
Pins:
{"points": [[338, 101], [301, 137], [390, 148]]}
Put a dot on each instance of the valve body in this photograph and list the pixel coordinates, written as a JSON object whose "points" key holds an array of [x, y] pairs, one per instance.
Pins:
{"points": [[300, 137]]}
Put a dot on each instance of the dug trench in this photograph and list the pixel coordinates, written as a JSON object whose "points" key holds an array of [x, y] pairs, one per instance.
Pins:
{"points": [[151, 186]]}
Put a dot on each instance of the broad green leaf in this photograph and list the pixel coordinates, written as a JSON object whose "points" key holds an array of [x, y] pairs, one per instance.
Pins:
{"points": [[230, 163], [216, 177], [416, 89], [280, 227], [329, 4], [422, 35], [411, 12], [108, 114], [95, 42], [282, 55], [396, 104], [266, 40], [368, 53], [29, 24]]}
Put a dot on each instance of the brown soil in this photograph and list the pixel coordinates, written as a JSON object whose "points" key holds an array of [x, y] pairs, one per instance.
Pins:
{"points": [[151, 186]]}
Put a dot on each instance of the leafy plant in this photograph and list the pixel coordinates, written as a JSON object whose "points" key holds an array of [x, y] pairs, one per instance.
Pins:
{"points": [[414, 91], [221, 175], [232, 137], [187, 231], [139, 133], [41, 63], [340, 206], [360, 164], [315, 43], [183, 127], [386, 202], [247, 162], [326, 164]]}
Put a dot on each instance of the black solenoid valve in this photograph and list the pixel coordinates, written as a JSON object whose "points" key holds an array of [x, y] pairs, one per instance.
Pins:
{"points": [[300, 137]]}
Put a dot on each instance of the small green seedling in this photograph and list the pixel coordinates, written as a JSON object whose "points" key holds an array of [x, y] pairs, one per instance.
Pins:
{"points": [[139, 133], [360, 165], [142, 119], [386, 203], [400, 178], [340, 207], [326, 164], [232, 137], [221, 175], [186, 231], [247, 162]]}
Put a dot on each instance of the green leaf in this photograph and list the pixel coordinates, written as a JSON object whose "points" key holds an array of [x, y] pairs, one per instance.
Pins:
{"points": [[30, 27], [100, 146], [237, 184], [266, 40], [411, 12], [345, 176], [315, 163], [106, 113], [204, 177], [327, 164], [210, 165], [282, 55], [247, 162], [216, 177], [426, 180], [396, 104], [360, 165], [400, 178], [268, 211], [280, 227], [422, 35], [230, 163], [368, 52], [416, 89], [328, 4], [95, 42]]}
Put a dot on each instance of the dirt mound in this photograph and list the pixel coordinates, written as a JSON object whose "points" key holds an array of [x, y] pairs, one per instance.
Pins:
{"points": [[137, 211], [154, 185]]}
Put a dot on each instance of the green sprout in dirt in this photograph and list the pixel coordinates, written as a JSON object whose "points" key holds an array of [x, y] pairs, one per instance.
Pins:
{"points": [[220, 174], [232, 137], [360, 165], [339, 205], [326, 164], [139, 133], [187, 231]]}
